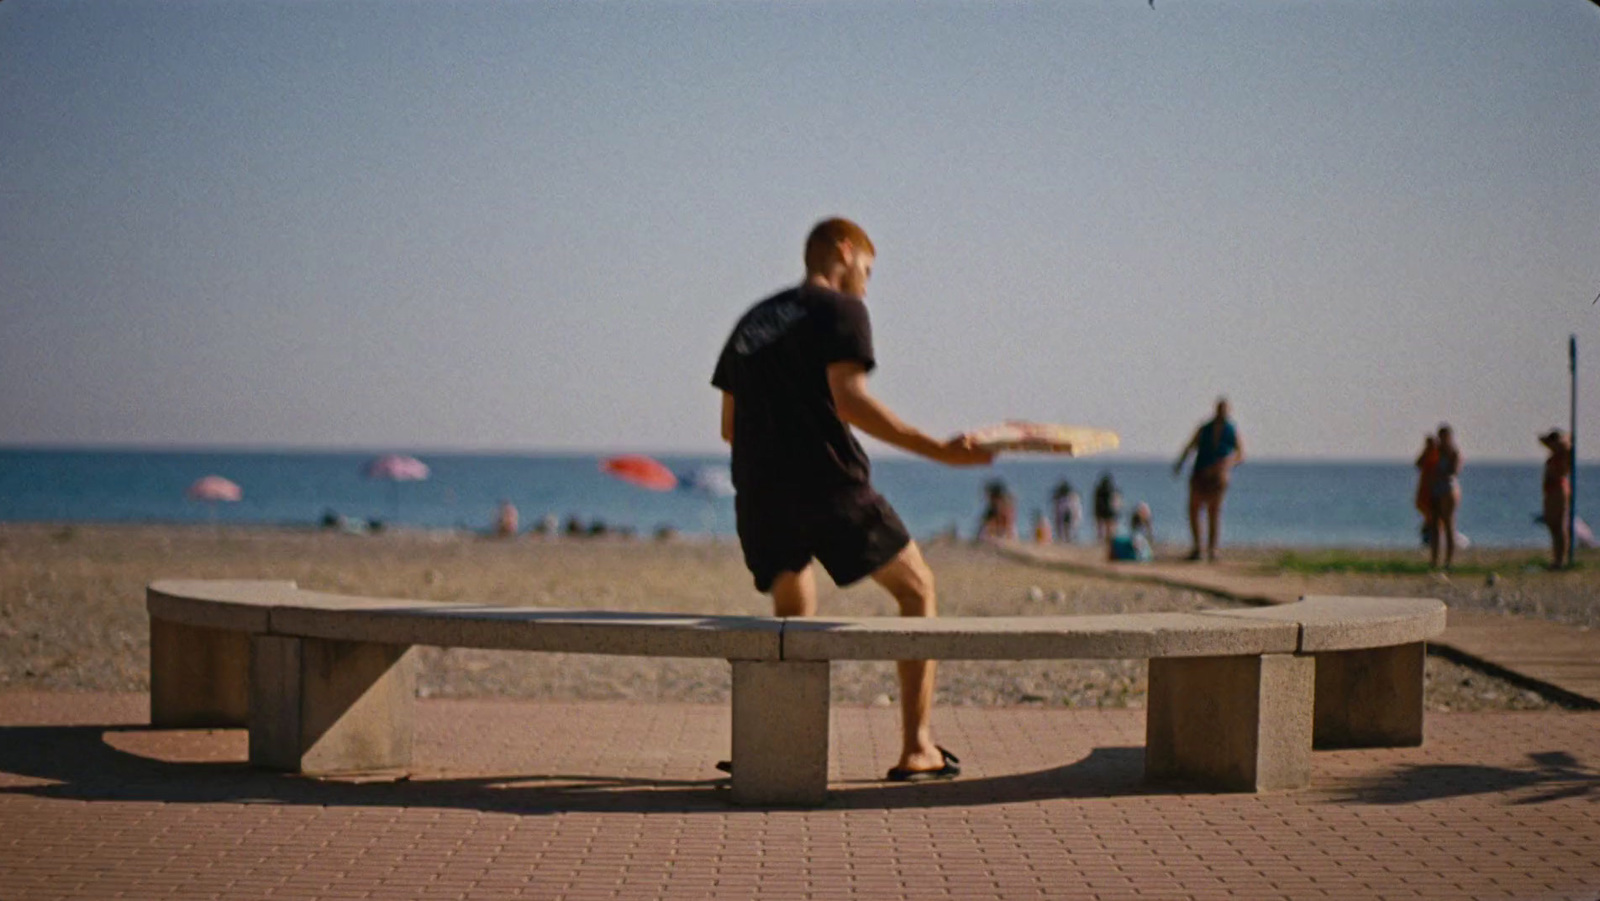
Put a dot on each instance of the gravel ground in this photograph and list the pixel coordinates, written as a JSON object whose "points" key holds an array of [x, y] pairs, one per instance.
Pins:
{"points": [[72, 610]]}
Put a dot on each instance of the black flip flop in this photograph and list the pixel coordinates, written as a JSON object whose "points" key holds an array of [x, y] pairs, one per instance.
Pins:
{"points": [[950, 770], [725, 765]]}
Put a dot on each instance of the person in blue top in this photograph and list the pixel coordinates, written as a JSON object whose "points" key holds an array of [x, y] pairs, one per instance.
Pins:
{"points": [[1217, 450]]}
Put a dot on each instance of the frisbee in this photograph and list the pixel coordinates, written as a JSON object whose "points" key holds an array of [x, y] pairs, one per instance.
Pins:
{"points": [[1044, 438]]}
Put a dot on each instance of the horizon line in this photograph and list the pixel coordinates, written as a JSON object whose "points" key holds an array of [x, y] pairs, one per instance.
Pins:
{"points": [[888, 454]]}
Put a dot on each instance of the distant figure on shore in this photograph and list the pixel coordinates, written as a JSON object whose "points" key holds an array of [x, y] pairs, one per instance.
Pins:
{"points": [[1041, 527], [1143, 522], [999, 518], [1558, 495], [1217, 450], [335, 521], [1427, 464], [1446, 497], [1068, 510], [505, 520], [1107, 504], [1138, 543]]}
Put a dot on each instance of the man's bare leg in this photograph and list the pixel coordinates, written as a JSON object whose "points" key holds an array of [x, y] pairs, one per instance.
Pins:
{"points": [[795, 594], [1448, 524], [1195, 503], [909, 580], [1213, 525]]}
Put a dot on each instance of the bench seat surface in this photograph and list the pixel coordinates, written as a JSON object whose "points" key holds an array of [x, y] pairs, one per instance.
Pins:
{"points": [[1329, 623], [1117, 636], [537, 629], [235, 605], [1312, 625], [282, 609]]}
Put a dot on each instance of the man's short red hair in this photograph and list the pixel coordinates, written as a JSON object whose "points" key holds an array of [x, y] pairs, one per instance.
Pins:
{"points": [[823, 242]]}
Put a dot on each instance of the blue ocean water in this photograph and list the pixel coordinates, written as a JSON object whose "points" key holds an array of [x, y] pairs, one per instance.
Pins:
{"points": [[1325, 504]]}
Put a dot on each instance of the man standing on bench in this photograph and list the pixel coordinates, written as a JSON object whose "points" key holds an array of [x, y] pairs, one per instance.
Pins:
{"points": [[793, 377]]}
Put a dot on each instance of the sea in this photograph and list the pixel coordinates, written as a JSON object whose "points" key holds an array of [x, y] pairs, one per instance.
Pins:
{"points": [[1270, 503]]}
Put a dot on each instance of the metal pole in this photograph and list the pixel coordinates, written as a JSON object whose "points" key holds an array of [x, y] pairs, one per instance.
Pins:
{"points": [[1572, 467]]}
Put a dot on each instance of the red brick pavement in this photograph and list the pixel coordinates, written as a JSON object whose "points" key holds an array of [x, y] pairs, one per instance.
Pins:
{"points": [[617, 801]]}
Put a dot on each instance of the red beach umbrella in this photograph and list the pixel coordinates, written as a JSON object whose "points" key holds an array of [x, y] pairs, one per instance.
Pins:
{"points": [[637, 469], [215, 488]]}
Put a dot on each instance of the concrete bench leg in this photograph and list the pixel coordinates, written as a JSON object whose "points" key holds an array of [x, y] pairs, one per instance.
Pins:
{"points": [[199, 677], [330, 706], [1239, 723], [1370, 698], [780, 731]]}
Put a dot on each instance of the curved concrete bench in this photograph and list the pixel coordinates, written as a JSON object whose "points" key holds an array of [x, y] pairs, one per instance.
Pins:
{"points": [[1238, 698]]}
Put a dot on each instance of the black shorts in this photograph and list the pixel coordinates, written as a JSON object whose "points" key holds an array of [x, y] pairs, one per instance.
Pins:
{"points": [[853, 531]]}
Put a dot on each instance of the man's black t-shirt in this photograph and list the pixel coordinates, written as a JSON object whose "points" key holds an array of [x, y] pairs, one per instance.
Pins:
{"points": [[787, 435]]}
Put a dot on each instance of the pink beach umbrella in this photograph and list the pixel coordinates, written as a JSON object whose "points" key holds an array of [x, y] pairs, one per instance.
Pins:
{"points": [[213, 490], [397, 468], [394, 469]]}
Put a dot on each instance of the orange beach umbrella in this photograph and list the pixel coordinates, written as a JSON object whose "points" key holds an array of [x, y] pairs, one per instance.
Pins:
{"points": [[637, 469]]}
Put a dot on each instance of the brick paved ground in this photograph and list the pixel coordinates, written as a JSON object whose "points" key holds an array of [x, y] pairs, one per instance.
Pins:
{"points": [[600, 801]]}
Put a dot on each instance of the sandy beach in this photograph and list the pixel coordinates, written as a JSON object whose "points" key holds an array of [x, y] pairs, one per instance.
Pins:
{"points": [[72, 611]]}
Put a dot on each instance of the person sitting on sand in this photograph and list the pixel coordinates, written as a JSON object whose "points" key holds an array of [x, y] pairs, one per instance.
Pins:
{"points": [[1217, 450], [1446, 497], [1142, 522], [1557, 490], [1137, 544], [999, 519], [793, 377]]}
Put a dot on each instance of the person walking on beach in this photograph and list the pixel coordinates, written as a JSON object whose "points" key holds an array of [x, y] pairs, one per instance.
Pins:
{"points": [[1446, 497], [1107, 503], [1068, 509], [1427, 464], [1557, 489], [1217, 450], [793, 376], [999, 519]]}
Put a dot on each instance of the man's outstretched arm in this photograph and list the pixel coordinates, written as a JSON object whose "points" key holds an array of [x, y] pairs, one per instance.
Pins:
{"points": [[1187, 448], [857, 407]]}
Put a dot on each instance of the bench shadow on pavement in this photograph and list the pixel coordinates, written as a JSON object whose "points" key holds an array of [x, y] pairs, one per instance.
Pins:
{"points": [[78, 763], [1550, 776]]}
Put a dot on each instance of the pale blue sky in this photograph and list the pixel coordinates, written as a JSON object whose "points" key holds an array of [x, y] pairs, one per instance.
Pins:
{"points": [[529, 226]]}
